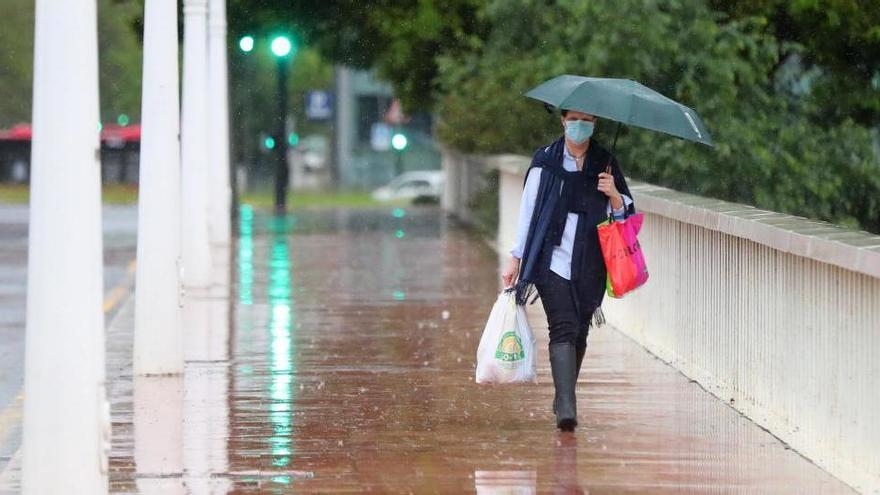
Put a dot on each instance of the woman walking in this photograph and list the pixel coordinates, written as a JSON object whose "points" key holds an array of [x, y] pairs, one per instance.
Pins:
{"points": [[573, 184]]}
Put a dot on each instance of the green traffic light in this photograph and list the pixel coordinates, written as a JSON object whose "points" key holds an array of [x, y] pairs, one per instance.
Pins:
{"points": [[399, 142], [293, 139], [269, 143], [246, 43], [281, 46], [123, 120]]}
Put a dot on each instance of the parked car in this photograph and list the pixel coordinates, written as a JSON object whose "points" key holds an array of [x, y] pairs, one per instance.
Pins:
{"points": [[315, 149], [423, 186]]}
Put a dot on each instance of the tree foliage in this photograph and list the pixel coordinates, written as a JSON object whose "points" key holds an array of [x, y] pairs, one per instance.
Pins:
{"points": [[400, 38], [774, 148], [841, 42], [119, 59]]}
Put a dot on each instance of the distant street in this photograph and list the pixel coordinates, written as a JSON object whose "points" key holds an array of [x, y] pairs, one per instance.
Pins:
{"points": [[120, 230]]}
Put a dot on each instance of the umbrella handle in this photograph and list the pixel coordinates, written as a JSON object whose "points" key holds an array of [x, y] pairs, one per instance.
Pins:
{"points": [[613, 147], [608, 168]]}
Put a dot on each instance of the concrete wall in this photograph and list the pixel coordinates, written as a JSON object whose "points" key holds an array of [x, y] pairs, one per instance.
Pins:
{"points": [[777, 315], [464, 178]]}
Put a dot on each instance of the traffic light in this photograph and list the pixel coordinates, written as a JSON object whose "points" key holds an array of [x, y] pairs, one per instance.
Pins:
{"points": [[281, 46], [246, 44], [399, 141]]}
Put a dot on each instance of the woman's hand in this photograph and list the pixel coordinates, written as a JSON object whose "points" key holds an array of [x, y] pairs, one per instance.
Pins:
{"points": [[606, 185], [508, 276]]}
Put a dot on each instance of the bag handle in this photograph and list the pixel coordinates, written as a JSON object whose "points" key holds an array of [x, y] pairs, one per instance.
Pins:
{"points": [[625, 212]]}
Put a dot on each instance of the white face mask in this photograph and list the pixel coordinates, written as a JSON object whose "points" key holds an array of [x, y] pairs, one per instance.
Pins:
{"points": [[579, 130]]}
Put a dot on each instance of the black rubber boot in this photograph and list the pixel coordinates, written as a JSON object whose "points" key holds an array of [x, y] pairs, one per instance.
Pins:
{"points": [[579, 356], [581, 351], [563, 363]]}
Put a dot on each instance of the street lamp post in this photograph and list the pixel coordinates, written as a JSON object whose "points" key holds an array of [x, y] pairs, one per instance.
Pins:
{"points": [[281, 48]]}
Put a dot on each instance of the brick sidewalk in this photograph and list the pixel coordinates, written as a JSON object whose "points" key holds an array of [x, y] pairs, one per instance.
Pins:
{"points": [[348, 367]]}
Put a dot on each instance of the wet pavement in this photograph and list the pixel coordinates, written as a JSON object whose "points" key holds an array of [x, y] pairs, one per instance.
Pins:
{"points": [[342, 361], [120, 231]]}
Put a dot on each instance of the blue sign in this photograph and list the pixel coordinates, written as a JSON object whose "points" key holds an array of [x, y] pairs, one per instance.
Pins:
{"points": [[319, 105]]}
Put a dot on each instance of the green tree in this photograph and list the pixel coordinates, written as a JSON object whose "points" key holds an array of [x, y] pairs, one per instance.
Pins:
{"points": [[840, 42], [401, 39], [119, 59], [16, 60], [771, 151]]}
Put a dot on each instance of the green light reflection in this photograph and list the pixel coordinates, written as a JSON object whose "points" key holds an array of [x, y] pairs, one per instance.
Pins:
{"points": [[280, 350], [246, 255]]}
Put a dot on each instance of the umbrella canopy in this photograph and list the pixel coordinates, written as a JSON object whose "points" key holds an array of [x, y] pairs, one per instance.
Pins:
{"points": [[624, 101]]}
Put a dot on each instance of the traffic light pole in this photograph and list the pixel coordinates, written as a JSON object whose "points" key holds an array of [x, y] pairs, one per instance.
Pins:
{"points": [[282, 170], [244, 148], [398, 162]]}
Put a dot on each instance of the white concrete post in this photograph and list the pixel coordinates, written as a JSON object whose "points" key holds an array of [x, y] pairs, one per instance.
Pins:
{"points": [[158, 342], [66, 416], [218, 94], [195, 178]]}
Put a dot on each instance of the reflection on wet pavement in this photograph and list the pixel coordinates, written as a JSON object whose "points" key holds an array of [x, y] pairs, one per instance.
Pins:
{"points": [[343, 361], [119, 225]]}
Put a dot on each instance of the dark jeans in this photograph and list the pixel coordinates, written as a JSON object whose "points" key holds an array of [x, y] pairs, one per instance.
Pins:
{"points": [[566, 323]]}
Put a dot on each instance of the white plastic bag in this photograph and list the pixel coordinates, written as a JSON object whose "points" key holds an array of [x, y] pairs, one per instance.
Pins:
{"points": [[507, 348]]}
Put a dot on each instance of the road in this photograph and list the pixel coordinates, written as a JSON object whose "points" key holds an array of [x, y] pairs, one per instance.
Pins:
{"points": [[120, 232]]}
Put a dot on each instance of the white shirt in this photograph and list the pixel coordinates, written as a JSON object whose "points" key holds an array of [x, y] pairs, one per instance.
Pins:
{"points": [[560, 261]]}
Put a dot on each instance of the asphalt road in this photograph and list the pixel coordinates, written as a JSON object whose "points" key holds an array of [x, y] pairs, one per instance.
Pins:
{"points": [[120, 229]]}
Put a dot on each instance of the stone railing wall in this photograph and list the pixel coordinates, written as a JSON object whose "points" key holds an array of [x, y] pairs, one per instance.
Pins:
{"points": [[777, 315]]}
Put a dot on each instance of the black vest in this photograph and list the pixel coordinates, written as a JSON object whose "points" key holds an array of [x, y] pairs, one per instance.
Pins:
{"points": [[559, 193]]}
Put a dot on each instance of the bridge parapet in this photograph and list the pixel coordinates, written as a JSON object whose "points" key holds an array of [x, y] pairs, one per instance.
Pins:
{"points": [[777, 315]]}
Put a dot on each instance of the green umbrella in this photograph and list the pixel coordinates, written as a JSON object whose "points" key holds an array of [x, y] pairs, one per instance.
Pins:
{"points": [[624, 101]]}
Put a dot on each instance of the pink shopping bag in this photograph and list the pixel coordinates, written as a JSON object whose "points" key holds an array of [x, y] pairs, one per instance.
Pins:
{"points": [[623, 255]]}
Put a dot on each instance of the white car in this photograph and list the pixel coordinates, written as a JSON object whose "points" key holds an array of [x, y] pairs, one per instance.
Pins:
{"points": [[415, 186]]}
